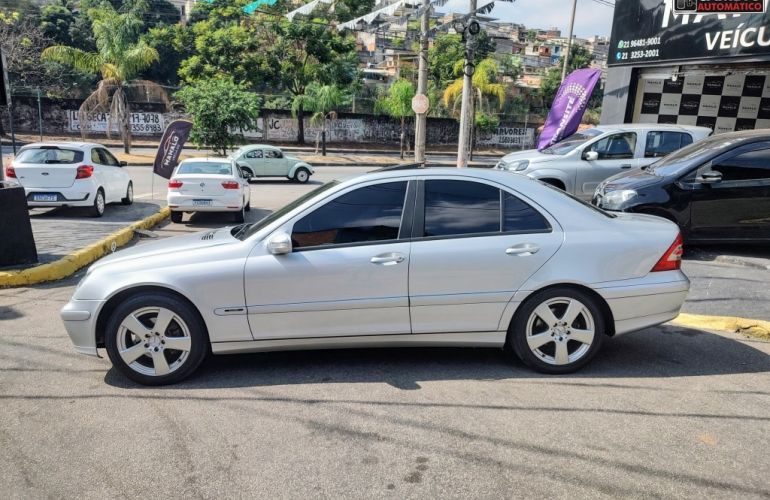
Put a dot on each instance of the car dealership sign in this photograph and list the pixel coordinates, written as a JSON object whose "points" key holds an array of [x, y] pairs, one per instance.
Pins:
{"points": [[653, 31]]}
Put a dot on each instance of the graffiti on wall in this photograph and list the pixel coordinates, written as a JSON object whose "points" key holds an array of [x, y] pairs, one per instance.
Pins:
{"points": [[142, 123], [508, 137]]}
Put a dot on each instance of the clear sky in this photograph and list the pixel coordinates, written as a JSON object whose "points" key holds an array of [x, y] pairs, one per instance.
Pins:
{"points": [[592, 18]]}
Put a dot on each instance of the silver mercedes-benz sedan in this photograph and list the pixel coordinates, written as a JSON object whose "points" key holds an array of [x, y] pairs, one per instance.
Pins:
{"points": [[417, 257]]}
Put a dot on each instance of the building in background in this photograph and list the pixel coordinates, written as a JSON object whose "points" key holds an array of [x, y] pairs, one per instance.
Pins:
{"points": [[710, 70]]}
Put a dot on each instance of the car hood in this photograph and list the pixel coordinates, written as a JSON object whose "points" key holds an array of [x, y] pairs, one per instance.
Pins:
{"points": [[634, 179], [176, 245], [533, 155], [292, 158]]}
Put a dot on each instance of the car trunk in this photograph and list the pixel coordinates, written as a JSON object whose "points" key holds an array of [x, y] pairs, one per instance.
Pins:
{"points": [[41, 175], [205, 186]]}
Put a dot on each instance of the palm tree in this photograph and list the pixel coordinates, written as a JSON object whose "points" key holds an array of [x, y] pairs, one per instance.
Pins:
{"points": [[323, 101], [484, 87], [119, 58], [398, 104]]}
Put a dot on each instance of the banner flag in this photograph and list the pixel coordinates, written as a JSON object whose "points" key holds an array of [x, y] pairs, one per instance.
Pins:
{"points": [[170, 147], [568, 106]]}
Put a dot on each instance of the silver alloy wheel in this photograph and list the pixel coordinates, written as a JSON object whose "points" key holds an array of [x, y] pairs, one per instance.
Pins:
{"points": [[99, 202], [560, 330], [154, 341], [302, 175]]}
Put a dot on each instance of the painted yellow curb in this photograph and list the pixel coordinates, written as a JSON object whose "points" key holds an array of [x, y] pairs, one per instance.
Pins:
{"points": [[70, 263], [732, 324]]}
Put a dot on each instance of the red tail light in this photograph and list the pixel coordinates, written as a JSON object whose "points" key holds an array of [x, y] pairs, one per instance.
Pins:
{"points": [[84, 172], [10, 172], [672, 259], [174, 184], [230, 185]]}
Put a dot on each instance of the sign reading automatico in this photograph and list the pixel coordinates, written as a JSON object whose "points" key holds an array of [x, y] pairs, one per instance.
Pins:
{"points": [[654, 30], [704, 6]]}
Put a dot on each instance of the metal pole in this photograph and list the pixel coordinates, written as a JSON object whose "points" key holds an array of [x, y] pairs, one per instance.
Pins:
{"points": [[39, 115], [466, 120], [569, 40], [421, 120]]}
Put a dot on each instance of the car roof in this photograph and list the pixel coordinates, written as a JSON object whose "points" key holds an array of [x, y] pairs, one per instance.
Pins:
{"points": [[65, 144], [249, 146], [206, 159], [649, 126], [506, 178]]}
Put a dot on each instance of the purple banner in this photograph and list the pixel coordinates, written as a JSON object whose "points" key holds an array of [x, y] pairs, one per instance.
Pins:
{"points": [[568, 106], [170, 147]]}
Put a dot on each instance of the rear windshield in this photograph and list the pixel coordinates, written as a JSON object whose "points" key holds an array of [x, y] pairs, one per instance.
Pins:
{"points": [[205, 168], [51, 156]]}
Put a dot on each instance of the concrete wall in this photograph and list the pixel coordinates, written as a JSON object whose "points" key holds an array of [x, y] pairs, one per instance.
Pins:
{"points": [[61, 117]]}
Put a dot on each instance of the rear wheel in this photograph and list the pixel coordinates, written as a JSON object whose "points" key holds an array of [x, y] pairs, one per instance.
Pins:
{"points": [[156, 339], [302, 175], [129, 199], [248, 206], [240, 215], [97, 209], [558, 330], [176, 217]]}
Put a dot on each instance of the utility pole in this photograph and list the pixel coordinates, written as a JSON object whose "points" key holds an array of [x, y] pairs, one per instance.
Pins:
{"points": [[569, 41], [466, 118], [421, 119], [39, 114]]}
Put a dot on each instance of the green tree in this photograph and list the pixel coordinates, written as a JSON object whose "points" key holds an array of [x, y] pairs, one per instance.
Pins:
{"points": [[447, 50], [219, 107], [119, 58], [174, 45], [398, 104], [323, 101], [579, 58]]}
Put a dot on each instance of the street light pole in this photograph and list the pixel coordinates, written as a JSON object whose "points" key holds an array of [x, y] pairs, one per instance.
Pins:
{"points": [[466, 120], [421, 119], [569, 41]]}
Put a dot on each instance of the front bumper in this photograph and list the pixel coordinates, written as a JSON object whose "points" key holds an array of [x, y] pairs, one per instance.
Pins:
{"points": [[79, 317]]}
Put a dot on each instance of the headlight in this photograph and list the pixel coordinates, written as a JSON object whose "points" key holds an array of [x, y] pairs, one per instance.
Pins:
{"points": [[614, 200], [515, 166]]}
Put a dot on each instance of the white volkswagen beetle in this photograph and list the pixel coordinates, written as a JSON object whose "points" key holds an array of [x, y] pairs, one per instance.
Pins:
{"points": [[260, 160], [396, 258]]}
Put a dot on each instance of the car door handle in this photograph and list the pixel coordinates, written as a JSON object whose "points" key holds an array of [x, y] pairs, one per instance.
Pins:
{"points": [[387, 259], [626, 165], [523, 250]]}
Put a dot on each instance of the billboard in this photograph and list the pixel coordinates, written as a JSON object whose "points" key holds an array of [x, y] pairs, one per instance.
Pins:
{"points": [[650, 31]]}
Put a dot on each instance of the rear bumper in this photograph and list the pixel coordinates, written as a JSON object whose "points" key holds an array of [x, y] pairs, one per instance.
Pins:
{"points": [[79, 317], [65, 197], [645, 302], [185, 203]]}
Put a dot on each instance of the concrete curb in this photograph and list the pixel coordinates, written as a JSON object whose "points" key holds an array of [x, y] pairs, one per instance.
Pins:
{"points": [[754, 327], [69, 264]]}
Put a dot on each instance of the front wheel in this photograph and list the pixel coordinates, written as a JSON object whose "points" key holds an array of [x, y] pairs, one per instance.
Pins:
{"points": [[558, 330], [302, 175], [156, 339]]}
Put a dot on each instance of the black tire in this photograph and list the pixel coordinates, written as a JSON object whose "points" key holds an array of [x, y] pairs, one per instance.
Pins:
{"points": [[302, 175], [248, 206], [517, 332], [555, 183], [251, 173], [199, 341], [98, 207], [240, 215], [176, 217], [129, 199]]}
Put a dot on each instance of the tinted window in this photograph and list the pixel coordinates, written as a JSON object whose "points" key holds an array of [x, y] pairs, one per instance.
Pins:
{"points": [[518, 216], [751, 165], [209, 168], [662, 143], [371, 213], [106, 158], [272, 153], [461, 207], [568, 144], [615, 147], [51, 156], [257, 153]]}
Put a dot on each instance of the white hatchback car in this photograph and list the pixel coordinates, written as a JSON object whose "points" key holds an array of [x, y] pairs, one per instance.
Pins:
{"points": [[70, 174], [400, 258], [208, 185]]}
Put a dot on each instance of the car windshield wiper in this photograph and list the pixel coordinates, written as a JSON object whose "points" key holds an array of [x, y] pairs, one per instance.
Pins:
{"points": [[240, 229]]}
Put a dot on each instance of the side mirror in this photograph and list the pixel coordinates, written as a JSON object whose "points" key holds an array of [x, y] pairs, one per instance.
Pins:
{"points": [[123, 163], [711, 177], [590, 155], [279, 243]]}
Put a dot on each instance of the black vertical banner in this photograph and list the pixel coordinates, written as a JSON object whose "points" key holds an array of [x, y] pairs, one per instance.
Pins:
{"points": [[170, 147]]}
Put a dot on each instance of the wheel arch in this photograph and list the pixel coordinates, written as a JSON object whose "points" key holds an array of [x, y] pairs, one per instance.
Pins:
{"points": [[121, 295], [604, 307], [297, 166]]}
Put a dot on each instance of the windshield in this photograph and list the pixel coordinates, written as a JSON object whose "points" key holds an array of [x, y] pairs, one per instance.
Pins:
{"points": [[568, 144], [201, 167], [50, 156], [681, 159], [246, 230]]}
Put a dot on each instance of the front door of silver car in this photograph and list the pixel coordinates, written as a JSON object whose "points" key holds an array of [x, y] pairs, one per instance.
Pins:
{"points": [[342, 271], [474, 245], [604, 158]]}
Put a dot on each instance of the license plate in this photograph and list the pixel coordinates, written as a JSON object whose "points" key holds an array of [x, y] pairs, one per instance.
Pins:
{"points": [[202, 203], [44, 197]]}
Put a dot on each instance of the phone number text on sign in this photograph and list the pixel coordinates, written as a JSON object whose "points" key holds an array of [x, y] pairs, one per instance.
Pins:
{"points": [[141, 123]]}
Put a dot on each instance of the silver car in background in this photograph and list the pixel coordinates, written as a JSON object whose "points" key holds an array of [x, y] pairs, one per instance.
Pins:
{"points": [[578, 163], [416, 257]]}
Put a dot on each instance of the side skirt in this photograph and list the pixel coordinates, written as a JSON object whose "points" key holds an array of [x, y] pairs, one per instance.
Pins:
{"points": [[468, 339]]}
